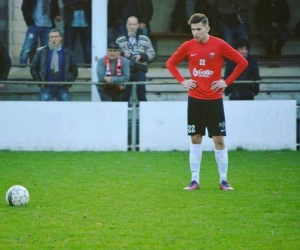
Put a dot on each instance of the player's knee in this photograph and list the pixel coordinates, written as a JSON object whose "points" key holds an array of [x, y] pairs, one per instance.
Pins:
{"points": [[196, 139], [219, 142]]}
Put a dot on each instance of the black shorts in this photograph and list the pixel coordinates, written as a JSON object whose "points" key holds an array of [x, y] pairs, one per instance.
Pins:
{"points": [[204, 114]]}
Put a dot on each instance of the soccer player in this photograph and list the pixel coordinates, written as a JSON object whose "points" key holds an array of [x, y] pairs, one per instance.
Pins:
{"points": [[206, 54]]}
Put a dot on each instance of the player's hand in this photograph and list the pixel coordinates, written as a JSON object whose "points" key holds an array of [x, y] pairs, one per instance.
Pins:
{"points": [[216, 85], [189, 84]]}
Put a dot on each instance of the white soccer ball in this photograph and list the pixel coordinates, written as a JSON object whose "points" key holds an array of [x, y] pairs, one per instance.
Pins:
{"points": [[17, 196]]}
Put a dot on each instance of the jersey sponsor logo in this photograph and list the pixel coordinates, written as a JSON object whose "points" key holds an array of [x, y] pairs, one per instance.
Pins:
{"points": [[193, 54], [202, 73]]}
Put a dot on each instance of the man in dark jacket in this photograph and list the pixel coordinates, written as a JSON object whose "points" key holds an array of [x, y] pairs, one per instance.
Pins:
{"points": [[5, 63], [53, 63], [243, 91], [77, 23], [272, 16], [39, 17]]}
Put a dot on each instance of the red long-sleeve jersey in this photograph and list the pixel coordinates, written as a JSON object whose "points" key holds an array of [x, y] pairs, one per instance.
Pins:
{"points": [[205, 65]]}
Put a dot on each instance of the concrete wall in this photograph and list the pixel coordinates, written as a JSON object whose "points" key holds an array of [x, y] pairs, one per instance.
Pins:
{"points": [[77, 126], [69, 126], [251, 125]]}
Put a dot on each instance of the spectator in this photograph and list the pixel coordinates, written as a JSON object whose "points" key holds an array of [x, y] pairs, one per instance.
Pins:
{"points": [[141, 9], [113, 70], [39, 16], [54, 63], [184, 9], [233, 20], [5, 64], [272, 16], [139, 50], [77, 23], [245, 91]]}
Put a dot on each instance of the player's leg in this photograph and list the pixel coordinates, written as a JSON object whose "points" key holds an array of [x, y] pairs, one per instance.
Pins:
{"points": [[195, 157], [221, 155], [217, 130], [195, 131]]}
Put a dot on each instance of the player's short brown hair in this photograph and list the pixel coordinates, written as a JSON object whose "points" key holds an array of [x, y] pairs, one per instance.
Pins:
{"points": [[198, 18]]}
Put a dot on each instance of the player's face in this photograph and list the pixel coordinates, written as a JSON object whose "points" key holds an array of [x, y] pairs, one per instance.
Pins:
{"points": [[113, 54], [55, 38], [200, 32], [243, 51], [132, 25]]}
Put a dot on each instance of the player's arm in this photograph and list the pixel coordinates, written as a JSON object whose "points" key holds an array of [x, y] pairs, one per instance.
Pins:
{"points": [[238, 59], [228, 70], [174, 60], [241, 65]]}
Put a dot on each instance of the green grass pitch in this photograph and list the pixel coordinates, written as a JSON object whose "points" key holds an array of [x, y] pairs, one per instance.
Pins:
{"points": [[134, 200]]}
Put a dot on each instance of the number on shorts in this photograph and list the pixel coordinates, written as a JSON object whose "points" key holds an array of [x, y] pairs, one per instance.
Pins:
{"points": [[191, 129]]}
